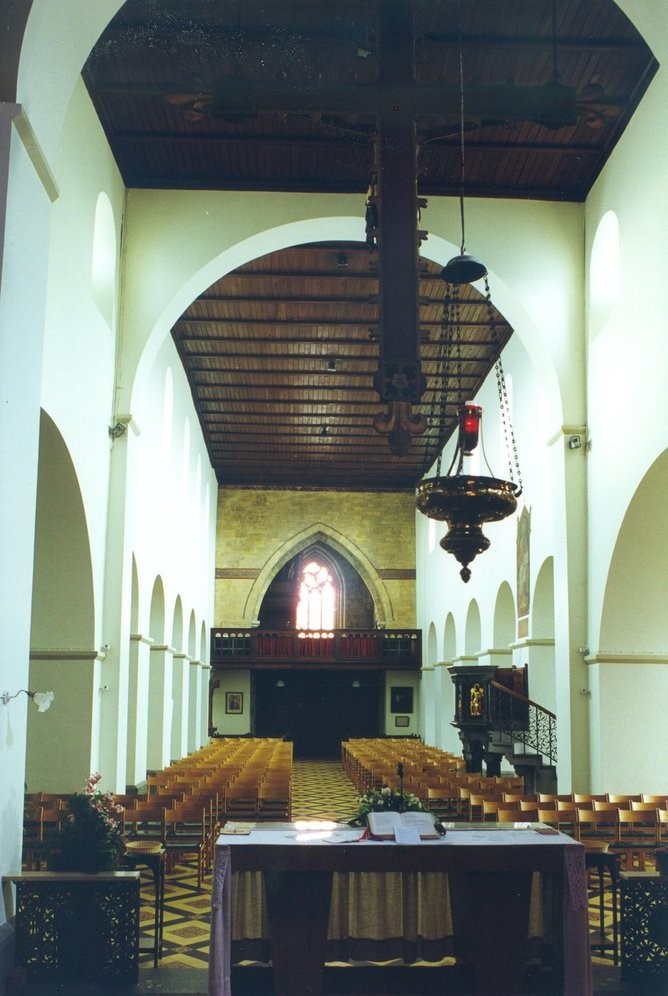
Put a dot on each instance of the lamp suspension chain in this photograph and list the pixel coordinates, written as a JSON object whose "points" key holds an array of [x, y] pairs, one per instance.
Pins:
{"points": [[462, 250], [504, 404]]}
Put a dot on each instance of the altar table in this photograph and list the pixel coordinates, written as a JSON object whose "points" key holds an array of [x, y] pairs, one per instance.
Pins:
{"points": [[489, 872]]}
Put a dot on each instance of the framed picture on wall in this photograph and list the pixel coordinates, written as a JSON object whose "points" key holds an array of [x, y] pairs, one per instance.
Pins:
{"points": [[234, 703], [401, 698], [401, 721]]}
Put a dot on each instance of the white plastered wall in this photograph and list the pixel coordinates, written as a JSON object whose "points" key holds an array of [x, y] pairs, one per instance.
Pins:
{"points": [[627, 261]]}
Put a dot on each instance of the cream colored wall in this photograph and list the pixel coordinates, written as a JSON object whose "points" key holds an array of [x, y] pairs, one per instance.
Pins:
{"points": [[256, 528], [627, 641], [535, 255]]}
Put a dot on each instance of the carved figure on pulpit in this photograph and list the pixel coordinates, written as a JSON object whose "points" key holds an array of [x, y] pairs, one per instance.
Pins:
{"points": [[476, 700]]}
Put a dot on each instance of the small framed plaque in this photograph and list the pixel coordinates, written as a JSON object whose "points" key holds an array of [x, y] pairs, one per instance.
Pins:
{"points": [[234, 703]]}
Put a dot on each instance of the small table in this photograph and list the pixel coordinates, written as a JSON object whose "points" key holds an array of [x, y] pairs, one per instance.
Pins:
{"points": [[644, 905], [602, 861], [155, 862], [73, 924]]}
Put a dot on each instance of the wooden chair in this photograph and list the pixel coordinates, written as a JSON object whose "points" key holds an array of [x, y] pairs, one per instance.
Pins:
{"points": [[33, 837], [187, 831], [512, 814], [274, 800], [564, 820], [241, 801], [637, 836], [439, 801], [662, 826]]}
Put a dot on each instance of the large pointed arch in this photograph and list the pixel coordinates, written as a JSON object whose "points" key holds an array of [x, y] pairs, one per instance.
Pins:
{"points": [[320, 532]]}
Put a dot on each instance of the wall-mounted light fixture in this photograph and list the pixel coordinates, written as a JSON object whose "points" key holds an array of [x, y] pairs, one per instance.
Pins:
{"points": [[41, 699]]}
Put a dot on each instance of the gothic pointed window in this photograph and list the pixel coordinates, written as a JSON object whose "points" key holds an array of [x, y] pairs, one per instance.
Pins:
{"points": [[316, 606]]}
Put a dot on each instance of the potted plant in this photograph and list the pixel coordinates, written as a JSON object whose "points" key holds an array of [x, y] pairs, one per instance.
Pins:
{"points": [[91, 838]]}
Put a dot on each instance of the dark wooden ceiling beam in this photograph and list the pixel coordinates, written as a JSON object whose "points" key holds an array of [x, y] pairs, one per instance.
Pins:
{"points": [[292, 141], [123, 33]]}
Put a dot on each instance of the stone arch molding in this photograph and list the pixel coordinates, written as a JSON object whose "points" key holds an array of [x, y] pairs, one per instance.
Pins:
{"points": [[319, 532]]}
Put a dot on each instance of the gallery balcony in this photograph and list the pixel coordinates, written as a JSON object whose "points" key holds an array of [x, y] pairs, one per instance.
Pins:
{"points": [[374, 649]]}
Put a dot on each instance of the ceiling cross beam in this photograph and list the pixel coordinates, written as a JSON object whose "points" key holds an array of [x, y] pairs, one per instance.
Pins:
{"points": [[395, 206]]}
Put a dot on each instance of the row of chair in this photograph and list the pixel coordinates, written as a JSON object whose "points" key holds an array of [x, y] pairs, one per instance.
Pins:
{"points": [[184, 804], [425, 770]]}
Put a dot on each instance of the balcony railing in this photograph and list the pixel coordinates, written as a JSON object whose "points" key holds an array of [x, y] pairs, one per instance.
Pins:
{"points": [[381, 648]]}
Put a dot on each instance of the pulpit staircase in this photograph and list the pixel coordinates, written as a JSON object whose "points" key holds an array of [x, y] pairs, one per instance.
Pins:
{"points": [[525, 733], [496, 719]]}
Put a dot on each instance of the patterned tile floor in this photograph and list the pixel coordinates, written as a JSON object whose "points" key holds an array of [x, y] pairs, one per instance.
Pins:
{"points": [[320, 789]]}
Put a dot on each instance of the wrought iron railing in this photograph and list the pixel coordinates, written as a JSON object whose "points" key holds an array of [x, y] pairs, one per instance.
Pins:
{"points": [[523, 721]]}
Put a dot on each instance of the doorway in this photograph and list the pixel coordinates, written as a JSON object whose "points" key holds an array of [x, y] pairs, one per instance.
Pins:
{"points": [[317, 709]]}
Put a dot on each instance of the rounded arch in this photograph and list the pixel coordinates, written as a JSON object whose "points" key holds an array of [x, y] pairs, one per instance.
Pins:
{"points": [[473, 631], [103, 257], [449, 638], [321, 533], [639, 552], [177, 625], [157, 612], [542, 605], [63, 600], [504, 617], [134, 597], [432, 645], [192, 636]]}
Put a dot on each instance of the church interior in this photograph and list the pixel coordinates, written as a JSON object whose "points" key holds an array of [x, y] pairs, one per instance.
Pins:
{"points": [[324, 334]]}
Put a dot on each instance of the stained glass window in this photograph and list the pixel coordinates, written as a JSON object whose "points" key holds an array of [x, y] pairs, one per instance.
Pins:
{"points": [[316, 607]]}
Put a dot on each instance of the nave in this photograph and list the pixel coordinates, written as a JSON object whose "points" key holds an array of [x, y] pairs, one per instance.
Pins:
{"points": [[320, 790]]}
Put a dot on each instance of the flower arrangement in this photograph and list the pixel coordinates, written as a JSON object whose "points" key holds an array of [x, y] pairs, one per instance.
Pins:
{"points": [[91, 838], [383, 800]]}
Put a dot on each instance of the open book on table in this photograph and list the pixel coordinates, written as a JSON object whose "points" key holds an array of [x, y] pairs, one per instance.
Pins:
{"points": [[382, 826]]}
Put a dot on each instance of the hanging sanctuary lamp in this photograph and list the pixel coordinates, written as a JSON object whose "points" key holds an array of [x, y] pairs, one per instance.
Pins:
{"points": [[466, 501]]}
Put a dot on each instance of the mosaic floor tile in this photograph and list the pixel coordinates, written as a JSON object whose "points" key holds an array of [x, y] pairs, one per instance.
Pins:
{"points": [[320, 791]]}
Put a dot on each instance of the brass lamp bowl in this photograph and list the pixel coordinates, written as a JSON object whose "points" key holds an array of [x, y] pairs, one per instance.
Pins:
{"points": [[466, 503]]}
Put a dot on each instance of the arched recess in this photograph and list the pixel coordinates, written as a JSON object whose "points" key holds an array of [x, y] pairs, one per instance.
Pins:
{"points": [[320, 533], [430, 691], [63, 615], [449, 638], [449, 736], [353, 603], [192, 636], [157, 612], [472, 634], [633, 617], [504, 618], [159, 684], [177, 625], [62, 656], [180, 686], [540, 648]]}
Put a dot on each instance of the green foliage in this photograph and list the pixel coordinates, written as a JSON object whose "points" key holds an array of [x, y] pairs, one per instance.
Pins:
{"points": [[91, 838]]}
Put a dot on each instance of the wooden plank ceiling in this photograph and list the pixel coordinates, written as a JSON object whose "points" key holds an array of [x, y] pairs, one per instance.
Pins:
{"points": [[250, 95]]}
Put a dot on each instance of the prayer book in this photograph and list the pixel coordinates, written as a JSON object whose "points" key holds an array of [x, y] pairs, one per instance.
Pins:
{"points": [[382, 826]]}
